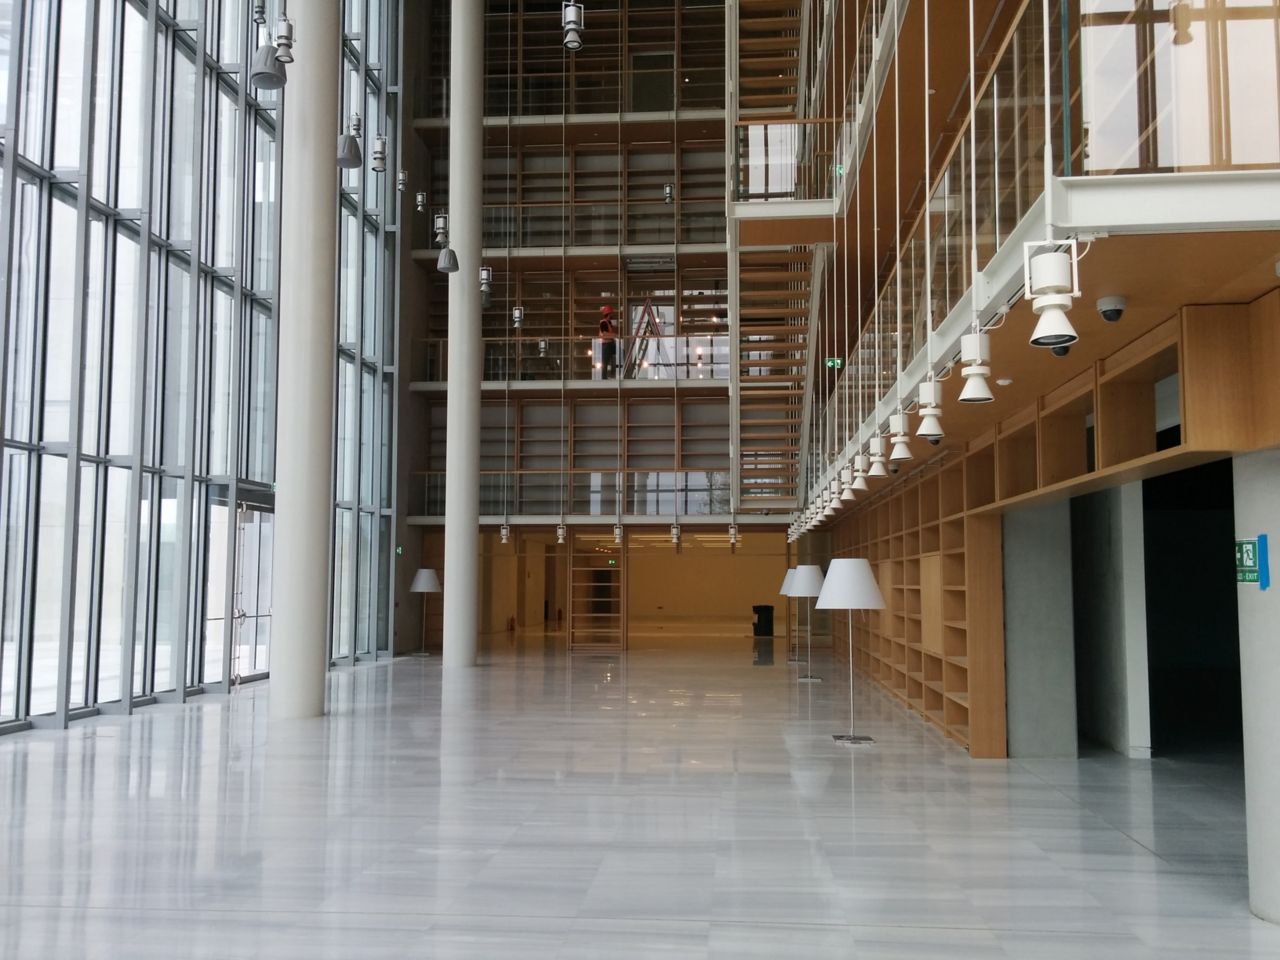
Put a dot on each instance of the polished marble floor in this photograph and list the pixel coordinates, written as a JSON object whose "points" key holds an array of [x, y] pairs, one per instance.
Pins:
{"points": [[684, 801]]}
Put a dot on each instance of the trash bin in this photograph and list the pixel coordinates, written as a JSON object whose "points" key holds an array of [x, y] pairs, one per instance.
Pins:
{"points": [[762, 620]]}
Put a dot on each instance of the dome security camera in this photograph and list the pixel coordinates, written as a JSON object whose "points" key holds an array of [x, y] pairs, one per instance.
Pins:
{"points": [[894, 468], [1111, 309], [934, 440], [1060, 351]]}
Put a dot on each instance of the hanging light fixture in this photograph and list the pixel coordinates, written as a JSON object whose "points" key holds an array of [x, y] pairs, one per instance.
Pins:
{"points": [[617, 534], [900, 429], [448, 260], [669, 193], [266, 70], [861, 469], [284, 39], [876, 446], [1180, 19], [561, 532], [733, 534], [847, 493], [504, 533], [378, 160], [930, 410], [571, 21], [486, 287], [402, 181], [975, 351], [260, 12], [517, 317], [675, 534], [350, 156], [1051, 279], [420, 200]]}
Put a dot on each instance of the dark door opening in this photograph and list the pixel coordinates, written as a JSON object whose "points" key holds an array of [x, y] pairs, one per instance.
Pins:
{"points": [[1193, 636]]}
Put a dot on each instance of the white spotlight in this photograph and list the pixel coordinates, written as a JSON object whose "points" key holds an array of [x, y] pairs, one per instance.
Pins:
{"points": [[733, 534], [1052, 279], [378, 161], [900, 428], [504, 533], [517, 317], [876, 446], [617, 533], [847, 493], [975, 351], [930, 410], [861, 465], [675, 533], [561, 532], [571, 20], [284, 40]]}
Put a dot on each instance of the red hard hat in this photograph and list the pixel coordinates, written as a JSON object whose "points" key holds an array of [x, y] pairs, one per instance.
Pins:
{"points": [[606, 310]]}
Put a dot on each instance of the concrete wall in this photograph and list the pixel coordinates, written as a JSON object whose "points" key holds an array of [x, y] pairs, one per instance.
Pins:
{"points": [[1038, 632], [1108, 573], [1257, 506]]}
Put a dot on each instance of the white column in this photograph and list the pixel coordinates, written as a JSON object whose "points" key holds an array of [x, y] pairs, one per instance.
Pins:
{"points": [[1257, 492], [462, 462], [1133, 579], [304, 421]]}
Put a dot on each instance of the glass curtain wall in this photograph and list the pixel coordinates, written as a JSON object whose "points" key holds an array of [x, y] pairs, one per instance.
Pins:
{"points": [[369, 203], [138, 235]]}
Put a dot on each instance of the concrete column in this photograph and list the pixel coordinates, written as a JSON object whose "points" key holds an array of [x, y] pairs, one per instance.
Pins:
{"points": [[308, 345], [1040, 668], [462, 462], [1257, 493]]}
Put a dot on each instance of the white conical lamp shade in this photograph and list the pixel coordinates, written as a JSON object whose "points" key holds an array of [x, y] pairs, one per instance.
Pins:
{"points": [[1054, 330], [785, 589], [976, 390], [850, 585], [425, 581], [808, 581], [930, 426]]}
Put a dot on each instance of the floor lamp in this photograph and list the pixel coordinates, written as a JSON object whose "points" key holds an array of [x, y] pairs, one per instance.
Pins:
{"points": [[793, 650], [425, 581], [807, 583], [850, 585]]}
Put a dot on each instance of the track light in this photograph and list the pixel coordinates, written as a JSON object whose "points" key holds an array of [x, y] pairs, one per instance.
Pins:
{"points": [[876, 446], [561, 532], [259, 12], [517, 317], [1180, 19], [504, 533], [266, 70], [900, 428], [420, 200], [617, 534], [350, 156], [284, 40], [975, 351], [930, 397], [571, 20]]}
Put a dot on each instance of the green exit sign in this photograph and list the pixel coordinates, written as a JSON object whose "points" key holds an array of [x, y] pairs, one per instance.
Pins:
{"points": [[1252, 562], [835, 363]]}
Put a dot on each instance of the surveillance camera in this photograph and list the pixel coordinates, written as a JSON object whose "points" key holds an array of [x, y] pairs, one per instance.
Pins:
{"points": [[1061, 351], [1112, 308], [935, 440], [894, 468]]}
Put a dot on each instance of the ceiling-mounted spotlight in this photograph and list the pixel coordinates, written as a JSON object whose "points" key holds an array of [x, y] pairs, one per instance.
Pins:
{"points": [[1052, 284], [266, 70], [517, 317], [486, 287], [378, 160], [669, 192], [675, 534], [1180, 20], [402, 181], [350, 156], [876, 446], [284, 40], [259, 12], [504, 533], [617, 534], [571, 20], [975, 351], [561, 532], [900, 428], [930, 410], [420, 200]]}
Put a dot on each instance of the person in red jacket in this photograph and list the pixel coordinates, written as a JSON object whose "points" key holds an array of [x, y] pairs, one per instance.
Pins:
{"points": [[608, 343]]}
